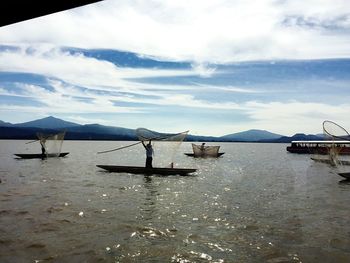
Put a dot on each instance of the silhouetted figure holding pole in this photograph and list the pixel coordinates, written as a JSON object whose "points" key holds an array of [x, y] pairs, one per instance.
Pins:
{"points": [[149, 154], [43, 151], [202, 149]]}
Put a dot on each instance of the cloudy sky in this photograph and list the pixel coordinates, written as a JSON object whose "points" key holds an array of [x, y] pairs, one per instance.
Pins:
{"points": [[213, 67]]}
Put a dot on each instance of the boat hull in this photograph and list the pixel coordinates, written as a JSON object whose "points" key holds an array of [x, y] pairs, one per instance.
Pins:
{"points": [[147, 171], [314, 150], [319, 147], [205, 156], [38, 155], [345, 175]]}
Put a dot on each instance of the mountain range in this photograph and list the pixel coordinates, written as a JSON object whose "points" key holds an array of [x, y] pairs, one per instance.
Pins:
{"points": [[75, 131]]}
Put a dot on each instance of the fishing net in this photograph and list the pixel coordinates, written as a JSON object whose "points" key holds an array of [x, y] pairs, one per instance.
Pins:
{"points": [[337, 139], [334, 131], [52, 143], [165, 145], [144, 134], [205, 151]]}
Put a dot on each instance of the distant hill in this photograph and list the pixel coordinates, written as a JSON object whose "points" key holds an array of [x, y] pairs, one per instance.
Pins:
{"points": [[5, 124], [128, 134], [298, 137], [47, 123], [251, 136], [74, 131], [198, 138], [20, 133], [29, 133]]}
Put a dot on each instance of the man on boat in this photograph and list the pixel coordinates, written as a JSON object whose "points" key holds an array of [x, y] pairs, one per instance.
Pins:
{"points": [[43, 151], [149, 154], [202, 149]]}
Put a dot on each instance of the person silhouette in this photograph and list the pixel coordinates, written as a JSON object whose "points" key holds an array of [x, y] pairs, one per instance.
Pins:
{"points": [[149, 153], [43, 150], [202, 149]]}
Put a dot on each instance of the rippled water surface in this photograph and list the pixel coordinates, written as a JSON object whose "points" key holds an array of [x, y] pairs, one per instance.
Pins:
{"points": [[257, 203]]}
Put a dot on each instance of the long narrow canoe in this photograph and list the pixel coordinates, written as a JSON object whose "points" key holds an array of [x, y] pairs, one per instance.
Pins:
{"points": [[205, 156], [345, 175], [38, 155], [148, 171]]}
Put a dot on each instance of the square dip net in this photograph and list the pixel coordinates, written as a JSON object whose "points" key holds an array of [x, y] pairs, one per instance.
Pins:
{"points": [[165, 145], [205, 151], [52, 143]]}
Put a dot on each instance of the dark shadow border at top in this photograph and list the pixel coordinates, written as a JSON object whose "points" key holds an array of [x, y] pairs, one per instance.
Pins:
{"points": [[13, 11]]}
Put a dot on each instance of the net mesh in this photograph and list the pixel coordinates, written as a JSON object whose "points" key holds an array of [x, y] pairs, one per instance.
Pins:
{"points": [[165, 145], [338, 135], [334, 131], [52, 143], [205, 151]]}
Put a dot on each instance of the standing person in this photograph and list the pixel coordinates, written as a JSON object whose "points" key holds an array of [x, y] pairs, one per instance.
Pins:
{"points": [[43, 151], [202, 148], [149, 154]]}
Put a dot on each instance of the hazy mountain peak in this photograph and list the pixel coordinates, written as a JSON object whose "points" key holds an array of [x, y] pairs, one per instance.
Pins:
{"points": [[252, 135], [49, 122], [5, 124]]}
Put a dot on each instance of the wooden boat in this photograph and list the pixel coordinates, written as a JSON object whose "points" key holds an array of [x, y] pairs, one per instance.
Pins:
{"points": [[319, 147], [193, 155], [147, 171], [39, 155], [345, 175]]}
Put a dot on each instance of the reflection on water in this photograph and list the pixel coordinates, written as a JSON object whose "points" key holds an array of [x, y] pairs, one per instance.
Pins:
{"points": [[149, 208], [257, 203]]}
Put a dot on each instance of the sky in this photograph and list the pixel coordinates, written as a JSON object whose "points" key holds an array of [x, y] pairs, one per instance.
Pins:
{"points": [[213, 67]]}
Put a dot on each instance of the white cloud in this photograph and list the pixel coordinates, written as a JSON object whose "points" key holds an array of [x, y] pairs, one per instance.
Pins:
{"points": [[189, 101], [215, 31], [75, 68], [282, 118], [294, 116], [92, 74], [233, 89], [61, 101], [203, 69]]}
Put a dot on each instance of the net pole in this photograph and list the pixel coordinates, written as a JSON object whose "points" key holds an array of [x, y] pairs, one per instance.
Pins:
{"points": [[162, 137], [32, 141], [119, 148], [144, 139]]}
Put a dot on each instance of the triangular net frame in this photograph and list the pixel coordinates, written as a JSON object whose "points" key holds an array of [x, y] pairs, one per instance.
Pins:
{"points": [[165, 145], [52, 143]]}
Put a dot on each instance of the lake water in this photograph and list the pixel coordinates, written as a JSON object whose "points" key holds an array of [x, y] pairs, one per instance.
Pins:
{"points": [[257, 203]]}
